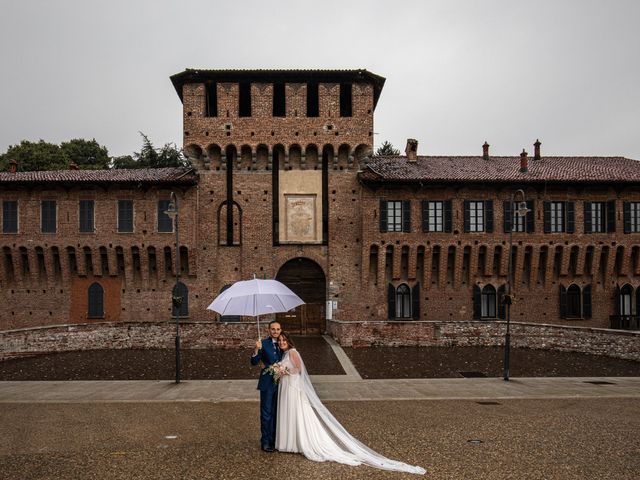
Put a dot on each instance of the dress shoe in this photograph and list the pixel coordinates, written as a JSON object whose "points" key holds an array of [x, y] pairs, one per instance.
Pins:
{"points": [[267, 448]]}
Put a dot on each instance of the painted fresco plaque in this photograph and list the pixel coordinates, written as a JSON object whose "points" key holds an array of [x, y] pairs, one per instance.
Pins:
{"points": [[300, 218]]}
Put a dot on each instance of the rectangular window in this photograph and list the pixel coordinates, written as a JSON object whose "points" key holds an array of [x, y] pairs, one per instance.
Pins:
{"points": [[518, 223], [165, 222], [125, 216], [346, 107], [633, 217], [597, 217], [557, 217], [212, 100], [10, 216], [434, 221], [476, 216], [279, 102], [244, 100], [313, 103], [48, 220], [394, 216], [86, 216]]}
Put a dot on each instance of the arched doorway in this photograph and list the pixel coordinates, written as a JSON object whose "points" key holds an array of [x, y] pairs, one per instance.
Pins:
{"points": [[306, 278]]}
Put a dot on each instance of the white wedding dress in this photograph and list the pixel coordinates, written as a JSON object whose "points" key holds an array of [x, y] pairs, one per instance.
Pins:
{"points": [[304, 425]]}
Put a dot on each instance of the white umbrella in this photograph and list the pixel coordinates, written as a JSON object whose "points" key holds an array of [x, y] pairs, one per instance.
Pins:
{"points": [[254, 298]]}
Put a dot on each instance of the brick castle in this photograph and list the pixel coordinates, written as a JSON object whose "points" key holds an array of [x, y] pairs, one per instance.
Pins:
{"points": [[285, 185]]}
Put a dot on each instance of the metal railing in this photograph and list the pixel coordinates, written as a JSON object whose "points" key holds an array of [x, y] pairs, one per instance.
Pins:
{"points": [[625, 322]]}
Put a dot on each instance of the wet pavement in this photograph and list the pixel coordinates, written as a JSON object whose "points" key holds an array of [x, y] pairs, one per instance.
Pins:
{"points": [[457, 428], [560, 439]]}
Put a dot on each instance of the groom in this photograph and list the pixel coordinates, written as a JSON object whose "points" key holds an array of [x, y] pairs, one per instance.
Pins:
{"points": [[268, 352]]}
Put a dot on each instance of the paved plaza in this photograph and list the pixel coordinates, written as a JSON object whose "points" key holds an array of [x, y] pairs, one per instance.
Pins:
{"points": [[527, 428]]}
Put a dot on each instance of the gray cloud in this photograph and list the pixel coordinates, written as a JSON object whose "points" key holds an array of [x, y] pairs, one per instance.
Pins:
{"points": [[458, 72]]}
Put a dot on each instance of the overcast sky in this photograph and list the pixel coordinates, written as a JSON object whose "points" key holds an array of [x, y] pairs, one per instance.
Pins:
{"points": [[458, 72]]}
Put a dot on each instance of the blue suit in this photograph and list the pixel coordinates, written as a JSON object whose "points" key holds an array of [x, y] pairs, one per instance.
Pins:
{"points": [[268, 355]]}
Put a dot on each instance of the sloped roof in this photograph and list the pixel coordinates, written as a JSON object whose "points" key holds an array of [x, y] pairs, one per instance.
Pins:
{"points": [[428, 169], [172, 175], [195, 75]]}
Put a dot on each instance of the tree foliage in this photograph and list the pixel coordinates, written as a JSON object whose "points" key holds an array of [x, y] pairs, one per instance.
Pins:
{"points": [[387, 149], [87, 154], [151, 157], [41, 155], [35, 156]]}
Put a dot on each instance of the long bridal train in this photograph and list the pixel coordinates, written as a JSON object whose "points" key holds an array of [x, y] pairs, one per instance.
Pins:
{"points": [[305, 425]]}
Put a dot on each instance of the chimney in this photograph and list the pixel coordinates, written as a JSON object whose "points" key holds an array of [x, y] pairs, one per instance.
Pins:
{"points": [[411, 150], [73, 166], [536, 152], [485, 151], [524, 162], [13, 165]]}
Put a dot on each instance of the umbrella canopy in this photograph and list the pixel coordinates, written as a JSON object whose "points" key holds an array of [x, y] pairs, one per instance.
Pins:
{"points": [[255, 297]]}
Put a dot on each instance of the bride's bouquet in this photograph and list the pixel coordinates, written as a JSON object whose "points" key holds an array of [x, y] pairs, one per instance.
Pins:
{"points": [[276, 370]]}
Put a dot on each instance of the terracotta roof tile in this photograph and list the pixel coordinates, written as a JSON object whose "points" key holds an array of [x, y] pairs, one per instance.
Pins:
{"points": [[397, 169], [177, 175]]}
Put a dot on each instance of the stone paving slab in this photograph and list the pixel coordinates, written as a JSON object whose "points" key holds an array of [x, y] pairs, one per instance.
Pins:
{"points": [[338, 388]]}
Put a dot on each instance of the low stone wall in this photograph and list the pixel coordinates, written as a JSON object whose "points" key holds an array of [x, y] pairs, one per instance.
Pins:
{"points": [[598, 341], [106, 335], [64, 338]]}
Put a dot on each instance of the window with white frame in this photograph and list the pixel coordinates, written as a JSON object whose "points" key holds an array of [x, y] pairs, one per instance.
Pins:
{"points": [[476, 216], [518, 222], [394, 216], [403, 301], [597, 217], [634, 217], [488, 302], [557, 216], [435, 216]]}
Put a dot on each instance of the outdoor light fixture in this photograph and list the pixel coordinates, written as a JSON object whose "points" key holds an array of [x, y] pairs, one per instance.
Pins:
{"points": [[516, 213], [176, 297]]}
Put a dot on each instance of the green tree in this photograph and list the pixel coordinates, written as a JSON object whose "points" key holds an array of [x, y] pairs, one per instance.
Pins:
{"points": [[387, 149], [124, 161], [151, 157], [87, 154], [35, 156]]}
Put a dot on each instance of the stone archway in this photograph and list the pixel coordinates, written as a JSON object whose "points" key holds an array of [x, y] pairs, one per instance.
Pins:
{"points": [[306, 278]]}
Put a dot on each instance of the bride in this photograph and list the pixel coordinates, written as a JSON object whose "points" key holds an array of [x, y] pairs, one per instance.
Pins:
{"points": [[304, 425]]}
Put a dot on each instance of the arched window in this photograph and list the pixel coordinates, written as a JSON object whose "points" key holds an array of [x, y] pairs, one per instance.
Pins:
{"points": [[488, 302], [180, 300], [403, 301], [626, 294], [574, 302], [96, 301], [229, 227]]}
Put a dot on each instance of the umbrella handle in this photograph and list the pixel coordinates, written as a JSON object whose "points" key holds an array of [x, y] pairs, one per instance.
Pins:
{"points": [[258, 319]]}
